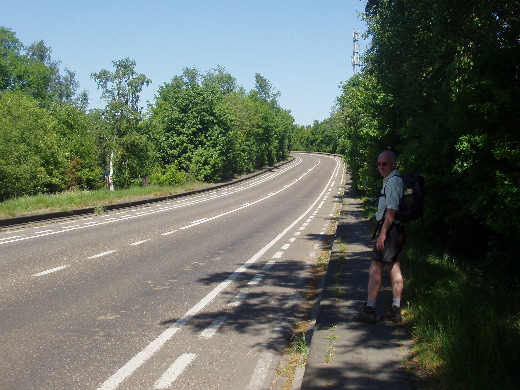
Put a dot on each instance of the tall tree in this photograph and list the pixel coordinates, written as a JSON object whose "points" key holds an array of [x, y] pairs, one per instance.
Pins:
{"points": [[121, 89]]}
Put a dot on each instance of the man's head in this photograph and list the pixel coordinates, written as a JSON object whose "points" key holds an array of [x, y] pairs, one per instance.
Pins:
{"points": [[386, 163]]}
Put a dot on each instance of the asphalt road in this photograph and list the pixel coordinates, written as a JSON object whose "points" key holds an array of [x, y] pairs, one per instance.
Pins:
{"points": [[193, 293]]}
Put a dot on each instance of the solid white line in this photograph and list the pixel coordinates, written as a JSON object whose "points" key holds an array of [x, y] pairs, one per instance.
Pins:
{"points": [[213, 327], [101, 254], [174, 371], [138, 360], [51, 270]]}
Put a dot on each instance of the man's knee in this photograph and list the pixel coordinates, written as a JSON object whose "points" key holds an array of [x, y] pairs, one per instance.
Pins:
{"points": [[376, 267]]}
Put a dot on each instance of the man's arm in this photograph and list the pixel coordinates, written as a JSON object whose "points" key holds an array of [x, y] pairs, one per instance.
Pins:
{"points": [[389, 219]]}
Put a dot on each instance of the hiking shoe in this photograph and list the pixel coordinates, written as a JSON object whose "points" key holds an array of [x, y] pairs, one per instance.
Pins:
{"points": [[367, 314], [394, 314]]}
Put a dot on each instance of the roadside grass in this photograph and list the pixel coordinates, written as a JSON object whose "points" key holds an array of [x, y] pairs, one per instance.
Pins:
{"points": [[466, 331], [79, 199]]}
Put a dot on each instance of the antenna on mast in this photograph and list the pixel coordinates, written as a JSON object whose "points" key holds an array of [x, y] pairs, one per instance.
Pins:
{"points": [[355, 55]]}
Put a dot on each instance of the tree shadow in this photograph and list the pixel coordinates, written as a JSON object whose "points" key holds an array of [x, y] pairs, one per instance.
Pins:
{"points": [[271, 307]]}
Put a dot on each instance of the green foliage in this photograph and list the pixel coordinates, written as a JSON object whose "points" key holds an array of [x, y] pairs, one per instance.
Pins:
{"points": [[31, 160], [212, 130], [128, 154], [79, 144], [31, 70], [320, 137], [168, 176], [441, 88], [134, 160], [201, 126], [476, 350]]}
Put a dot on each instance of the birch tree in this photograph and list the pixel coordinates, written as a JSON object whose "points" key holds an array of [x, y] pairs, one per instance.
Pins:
{"points": [[121, 89]]}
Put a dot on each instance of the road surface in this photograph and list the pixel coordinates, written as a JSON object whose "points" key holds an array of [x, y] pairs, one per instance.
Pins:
{"points": [[192, 293]]}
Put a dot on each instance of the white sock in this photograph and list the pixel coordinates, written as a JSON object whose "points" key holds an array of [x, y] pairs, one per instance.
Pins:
{"points": [[396, 302], [371, 303]]}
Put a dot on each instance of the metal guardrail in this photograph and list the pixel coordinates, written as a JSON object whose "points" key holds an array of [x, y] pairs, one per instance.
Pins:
{"points": [[58, 215]]}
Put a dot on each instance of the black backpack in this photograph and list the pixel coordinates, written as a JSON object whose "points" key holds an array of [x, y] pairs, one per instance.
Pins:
{"points": [[411, 205]]}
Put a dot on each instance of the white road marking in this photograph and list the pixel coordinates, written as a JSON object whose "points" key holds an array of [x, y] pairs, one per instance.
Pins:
{"points": [[9, 238], [139, 242], [213, 327], [151, 349], [174, 371], [102, 254], [257, 379], [268, 265], [51, 270], [44, 231], [238, 299], [278, 255], [145, 211], [257, 278]]}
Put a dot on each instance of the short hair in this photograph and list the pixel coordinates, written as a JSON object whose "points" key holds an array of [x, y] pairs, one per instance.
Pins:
{"points": [[391, 154]]}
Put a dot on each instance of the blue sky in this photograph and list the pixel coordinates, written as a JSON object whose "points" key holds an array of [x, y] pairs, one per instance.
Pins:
{"points": [[302, 47]]}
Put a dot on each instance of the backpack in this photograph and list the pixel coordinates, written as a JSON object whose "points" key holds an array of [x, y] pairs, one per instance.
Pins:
{"points": [[412, 203]]}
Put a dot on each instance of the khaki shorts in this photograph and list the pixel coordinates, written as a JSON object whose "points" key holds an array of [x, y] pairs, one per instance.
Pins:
{"points": [[394, 243]]}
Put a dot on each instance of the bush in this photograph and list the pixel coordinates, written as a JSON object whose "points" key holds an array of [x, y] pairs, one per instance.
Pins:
{"points": [[168, 176]]}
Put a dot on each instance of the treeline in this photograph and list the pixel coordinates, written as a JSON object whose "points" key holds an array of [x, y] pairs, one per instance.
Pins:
{"points": [[202, 126], [440, 87]]}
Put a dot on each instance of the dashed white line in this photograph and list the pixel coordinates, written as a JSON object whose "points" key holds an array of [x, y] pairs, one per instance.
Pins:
{"points": [[102, 254], [278, 255], [139, 242], [51, 270], [9, 238], [256, 280], [174, 371], [43, 232], [147, 352], [238, 299], [213, 327], [268, 265]]}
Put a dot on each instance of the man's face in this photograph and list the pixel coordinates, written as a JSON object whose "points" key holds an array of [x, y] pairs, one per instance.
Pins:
{"points": [[385, 165]]}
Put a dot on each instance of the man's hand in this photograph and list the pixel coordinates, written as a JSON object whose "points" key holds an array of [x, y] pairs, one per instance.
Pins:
{"points": [[389, 220], [380, 243]]}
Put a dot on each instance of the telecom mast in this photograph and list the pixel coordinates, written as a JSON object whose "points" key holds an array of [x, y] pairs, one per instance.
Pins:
{"points": [[355, 55]]}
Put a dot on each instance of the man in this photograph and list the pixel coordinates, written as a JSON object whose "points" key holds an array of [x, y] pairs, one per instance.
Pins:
{"points": [[389, 245]]}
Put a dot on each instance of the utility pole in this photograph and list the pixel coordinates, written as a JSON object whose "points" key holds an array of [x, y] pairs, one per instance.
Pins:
{"points": [[355, 55]]}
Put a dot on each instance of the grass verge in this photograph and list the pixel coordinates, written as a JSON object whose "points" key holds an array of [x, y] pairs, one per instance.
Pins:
{"points": [[79, 199], [466, 331]]}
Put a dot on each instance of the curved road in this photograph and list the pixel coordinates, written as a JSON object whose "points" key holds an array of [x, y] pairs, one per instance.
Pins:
{"points": [[193, 293]]}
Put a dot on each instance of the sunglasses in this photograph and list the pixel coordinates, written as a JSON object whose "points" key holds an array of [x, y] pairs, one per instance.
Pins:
{"points": [[382, 164]]}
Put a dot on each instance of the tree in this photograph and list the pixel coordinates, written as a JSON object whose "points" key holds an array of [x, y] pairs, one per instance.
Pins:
{"points": [[449, 73], [32, 160], [265, 91], [121, 89]]}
